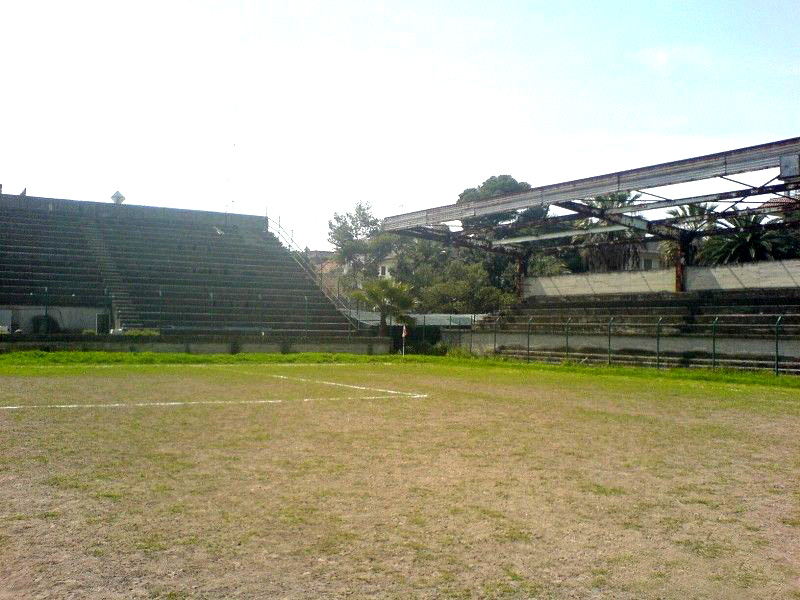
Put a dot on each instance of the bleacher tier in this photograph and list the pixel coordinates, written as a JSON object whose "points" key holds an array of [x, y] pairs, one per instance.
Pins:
{"points": [[45, 257], [743, 312], [173, 274]]}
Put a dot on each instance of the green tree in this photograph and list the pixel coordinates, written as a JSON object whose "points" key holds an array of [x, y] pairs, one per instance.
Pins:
{"points": [[546, 265], [358, 241], [494, 187], [446, 279], [613, 251], [387, 297], [692, 219], [748, 241]]}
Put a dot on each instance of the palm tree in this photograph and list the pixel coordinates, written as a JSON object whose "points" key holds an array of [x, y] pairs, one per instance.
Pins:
{"points": [[389, 298], [609, 251], [546, 265], [692, 219], [746, 242]]}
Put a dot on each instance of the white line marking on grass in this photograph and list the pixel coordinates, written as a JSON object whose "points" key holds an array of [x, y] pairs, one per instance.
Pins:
{"points": [[386, 395], [189, 403], [354, 387]]}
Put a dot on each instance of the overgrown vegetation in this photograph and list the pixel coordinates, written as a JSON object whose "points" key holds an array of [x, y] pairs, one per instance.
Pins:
{"points": [[443, 278], [462, 280]]}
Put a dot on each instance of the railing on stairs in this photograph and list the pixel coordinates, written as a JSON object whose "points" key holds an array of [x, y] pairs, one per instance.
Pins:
{"points": [[299, 256]]}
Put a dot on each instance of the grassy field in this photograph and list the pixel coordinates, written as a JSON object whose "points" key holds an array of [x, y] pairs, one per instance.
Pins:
{"points": [[429, 478]]}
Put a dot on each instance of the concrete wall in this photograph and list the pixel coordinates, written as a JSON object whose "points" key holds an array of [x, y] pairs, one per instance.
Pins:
{"points": [[127, 211], [484, 343], [768, 274], [662, 280], [67, 317], [148, 344]]}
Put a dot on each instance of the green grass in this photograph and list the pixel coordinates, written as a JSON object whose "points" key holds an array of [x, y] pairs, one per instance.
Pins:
{"points": [[41, 358]]}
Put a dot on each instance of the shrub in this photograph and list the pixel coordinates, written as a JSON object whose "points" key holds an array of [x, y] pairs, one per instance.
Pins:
{"points": [[44, 324]]}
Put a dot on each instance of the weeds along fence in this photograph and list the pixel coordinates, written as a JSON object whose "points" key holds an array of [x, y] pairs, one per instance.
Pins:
{"points": [[755, 342]]}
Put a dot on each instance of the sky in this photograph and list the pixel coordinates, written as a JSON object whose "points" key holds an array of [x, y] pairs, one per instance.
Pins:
{"points": [[303, 108]]}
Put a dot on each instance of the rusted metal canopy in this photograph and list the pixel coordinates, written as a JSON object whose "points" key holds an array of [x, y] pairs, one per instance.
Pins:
{"points": [[753, 158]]}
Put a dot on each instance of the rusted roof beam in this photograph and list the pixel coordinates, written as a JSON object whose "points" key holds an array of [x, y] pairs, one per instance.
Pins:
{"points": [[753, 158]]}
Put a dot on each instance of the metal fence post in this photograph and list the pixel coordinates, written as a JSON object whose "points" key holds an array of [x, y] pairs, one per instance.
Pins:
{"points": [[658, 342], [714, 342], [566, 338], [46, 310], [306, 319], [528, 356], [777, 335], [610, 322], [496, 323], [110, 309], [471, 331], [423, 329]]}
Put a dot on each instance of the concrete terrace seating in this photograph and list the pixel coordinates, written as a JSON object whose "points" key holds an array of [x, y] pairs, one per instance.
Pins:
{"points": [[168, 269], [737, 313], [45, 259]]}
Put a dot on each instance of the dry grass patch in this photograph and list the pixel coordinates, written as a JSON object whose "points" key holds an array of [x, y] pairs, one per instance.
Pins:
{"points": [[500, 483]]}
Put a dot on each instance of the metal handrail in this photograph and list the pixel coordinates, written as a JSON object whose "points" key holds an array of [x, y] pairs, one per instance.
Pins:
{"points": [[296, 252]]}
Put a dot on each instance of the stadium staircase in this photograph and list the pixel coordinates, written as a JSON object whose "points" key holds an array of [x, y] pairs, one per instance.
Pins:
{"points": [[123, 307]]}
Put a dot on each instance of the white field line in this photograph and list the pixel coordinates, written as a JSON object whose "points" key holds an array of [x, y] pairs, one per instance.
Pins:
{"points": [[385, 395], [188, 403], [352, 387]]}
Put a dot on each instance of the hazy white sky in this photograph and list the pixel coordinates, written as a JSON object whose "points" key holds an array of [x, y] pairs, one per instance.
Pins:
{"points": [[305, 107]]}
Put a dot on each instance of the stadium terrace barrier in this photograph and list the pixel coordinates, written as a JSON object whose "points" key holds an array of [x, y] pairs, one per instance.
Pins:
{"points": [[745, 329], [195, 344], [767, 274], [662, 280]]}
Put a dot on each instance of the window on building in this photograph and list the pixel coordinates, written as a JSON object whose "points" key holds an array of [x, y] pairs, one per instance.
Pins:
{"points": [[648, 264]]}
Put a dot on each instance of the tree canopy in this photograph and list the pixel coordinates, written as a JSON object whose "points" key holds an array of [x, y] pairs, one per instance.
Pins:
{"points": [[358, 242], [387, 297], [494, 187]]}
